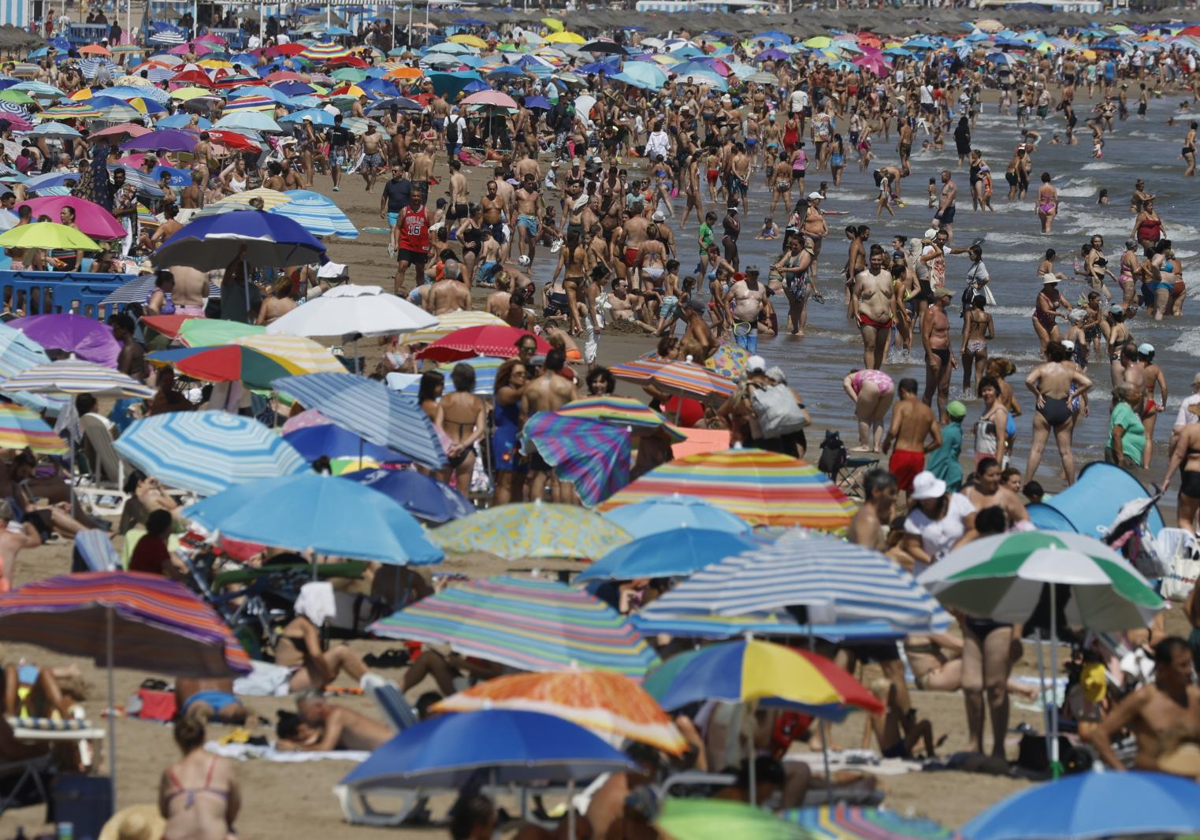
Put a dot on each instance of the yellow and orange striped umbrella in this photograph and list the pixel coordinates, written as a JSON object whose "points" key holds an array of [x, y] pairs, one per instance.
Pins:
{"points": [[610, 704], [20, 427]]}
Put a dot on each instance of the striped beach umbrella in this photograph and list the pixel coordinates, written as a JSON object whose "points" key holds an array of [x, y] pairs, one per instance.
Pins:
{"points": [[139, 289], [319, 215], [18, 353], [715, 819], [206, 452], [485, 374], [835, 579], [619, 411], [81, 111], [452, 322], [270, 198], [532, 530], [371, 410], [638, 370], [209, 332], [849, 822], [249, 103], [325, 51], [20, 428], [530, 625], [592, 456], [240, 362], [666, 513], [71, 376], [688, 380], [763, 488], [611, 705]]}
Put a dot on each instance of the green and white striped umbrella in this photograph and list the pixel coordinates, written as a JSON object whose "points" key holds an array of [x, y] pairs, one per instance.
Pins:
{"points": [[1001, 578]]}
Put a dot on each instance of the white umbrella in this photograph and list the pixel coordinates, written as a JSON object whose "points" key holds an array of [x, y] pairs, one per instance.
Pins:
{"points": [[349, 309]]}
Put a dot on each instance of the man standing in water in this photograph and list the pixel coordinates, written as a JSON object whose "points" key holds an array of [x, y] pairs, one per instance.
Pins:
{"points": [[873, 306], [939, 363], [749, 300], [912, 423], [945, 214]]}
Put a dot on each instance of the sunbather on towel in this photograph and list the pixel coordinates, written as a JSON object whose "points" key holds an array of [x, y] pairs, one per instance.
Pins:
{"points": [[321, 726], [208, 700], [299, 644]]}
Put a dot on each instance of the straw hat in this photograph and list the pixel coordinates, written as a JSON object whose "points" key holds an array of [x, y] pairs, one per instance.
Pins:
{"points": [[137, 822]]}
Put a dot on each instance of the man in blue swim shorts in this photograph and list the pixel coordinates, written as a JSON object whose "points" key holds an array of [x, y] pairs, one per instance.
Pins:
{"points": [[207, 700]]}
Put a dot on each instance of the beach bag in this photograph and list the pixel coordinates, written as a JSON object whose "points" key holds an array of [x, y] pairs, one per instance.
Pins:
{"points": [[1182, 554], [833, 455], [777, 411]]}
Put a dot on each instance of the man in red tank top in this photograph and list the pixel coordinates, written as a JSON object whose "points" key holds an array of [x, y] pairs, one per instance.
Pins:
{"points": [[410, 238]]}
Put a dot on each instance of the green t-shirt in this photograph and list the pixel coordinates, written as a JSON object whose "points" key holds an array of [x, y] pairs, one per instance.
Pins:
{"points": [[705, 238], [1133, 438]]}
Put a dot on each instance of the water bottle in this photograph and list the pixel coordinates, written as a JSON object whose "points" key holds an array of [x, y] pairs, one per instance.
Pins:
{"points": [[65, 831]]}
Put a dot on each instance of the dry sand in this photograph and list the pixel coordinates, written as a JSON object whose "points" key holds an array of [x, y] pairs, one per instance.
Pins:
{"points": [[294, 801]]}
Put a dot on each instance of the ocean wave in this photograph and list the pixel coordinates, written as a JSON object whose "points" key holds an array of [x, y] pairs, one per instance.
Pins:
{"points": [[1097, 165]]}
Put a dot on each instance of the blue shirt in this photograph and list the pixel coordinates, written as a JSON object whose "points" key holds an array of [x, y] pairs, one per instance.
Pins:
{"points": [[943, 462]]}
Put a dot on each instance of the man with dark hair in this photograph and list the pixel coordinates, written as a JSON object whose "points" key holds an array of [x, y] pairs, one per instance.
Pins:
{"points": [[151, 555], [1151, 712], [879, 492], [549, 392], [131, 361], [912, 423], [990, 492]]}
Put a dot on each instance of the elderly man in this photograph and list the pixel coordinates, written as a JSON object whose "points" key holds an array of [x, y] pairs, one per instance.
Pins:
{"points": [[322, 727]]}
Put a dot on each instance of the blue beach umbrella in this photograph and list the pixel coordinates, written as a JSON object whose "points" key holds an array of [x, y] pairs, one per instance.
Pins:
{"points": [[183, 121], [673, 553], [213, 242], [206, 452], [666, 514], [424, 497], [319, 215], [321, 512], [1088, 805], [513, 747], [370, 409], [332, 441]]}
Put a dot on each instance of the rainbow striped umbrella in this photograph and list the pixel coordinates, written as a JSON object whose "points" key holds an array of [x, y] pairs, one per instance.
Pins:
{"points": [[249, 103], [763, 488], [689, 380], [453, 322], [638, 370], [485, 374], [20, 427], [530, 625], [71, 376], [611, 705], [847, 822], [70, 112], [326, 51], [534, 529], [317, 214], [123, 620], [592, 456], [620, 411]]}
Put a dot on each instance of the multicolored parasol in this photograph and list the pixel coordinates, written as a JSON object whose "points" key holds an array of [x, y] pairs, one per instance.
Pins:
{"points": [[20, 428], [453, 322], [534, 529], [592, 456], [620, 411], [847, 822]]}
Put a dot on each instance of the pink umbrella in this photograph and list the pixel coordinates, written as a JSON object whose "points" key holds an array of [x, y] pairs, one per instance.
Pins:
{"points": [[305, 420], [90, 217], [216, 39], [493, 98], [122, 130], [874, 61]]}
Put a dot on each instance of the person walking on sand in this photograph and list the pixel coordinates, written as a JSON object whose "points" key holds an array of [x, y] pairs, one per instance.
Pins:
{"points": [[912, 423], [939, 362]]}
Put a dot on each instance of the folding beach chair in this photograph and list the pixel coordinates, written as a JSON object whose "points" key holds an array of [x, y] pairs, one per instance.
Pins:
{"points": [[105, 494], [94, 552]]}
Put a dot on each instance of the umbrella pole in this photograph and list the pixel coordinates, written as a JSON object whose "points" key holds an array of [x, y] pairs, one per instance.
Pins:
{"points": [[571, 809], [1055, 767], [821, 725], [753, 760], [1041, 662], [246, 268], [112, 708]]}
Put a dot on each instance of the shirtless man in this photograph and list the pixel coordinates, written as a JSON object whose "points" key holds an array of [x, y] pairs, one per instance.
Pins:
{"points": [[373, 156], [325, 727], [549, 392], [166, 230], [939, 363], [912, 423], [697, 341], [866, 526], [458, 192], [905, 139], [494, 207], [749, 299], [421, 167], [530, 206], [449, 293], [944, 218], [191, 290], [988, 492], [893, 175], [497, 302], [1172, 703], [193, 194], [873, 304], [627, 244]]}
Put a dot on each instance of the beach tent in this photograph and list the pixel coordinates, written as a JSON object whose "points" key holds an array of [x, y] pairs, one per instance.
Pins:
{"points": [[1091, 504]]}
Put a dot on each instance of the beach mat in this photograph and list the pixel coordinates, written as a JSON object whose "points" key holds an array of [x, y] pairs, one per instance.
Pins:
{"points": [[245, 752]]}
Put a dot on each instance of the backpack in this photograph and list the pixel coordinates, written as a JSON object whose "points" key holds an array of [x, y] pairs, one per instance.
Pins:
{"points": [[777, 411], [452, 132], [833, 455]]}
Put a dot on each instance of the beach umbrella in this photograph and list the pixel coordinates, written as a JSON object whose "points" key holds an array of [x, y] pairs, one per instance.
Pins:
{"points": [[728, 361], [317, 214], [623, 412], [592, 456], [673, 553], [20, 428], [324, 52], [643, 74], [320, 512], [715, 819], [611, 705], [54, 130], [666, 513], [818, 42], [485, 368], [90, 217], [87, 338], [475, 341], [553, 24], [348, 309], [18, 354], [837, 580], [249, 121], [491, 99], [123, 620], [1002, 578], [532, 530], [468, 40], [526, 624], [206, 452], [171, 139], [763, 78], [269, 198], [1094, 805], [48, 236], [324, 439], [424, 497], [752, 670], [372, 410], [502, 745], [257, 360], [763, 488], [639, 371], [70, 376], [849, 822], [209, 332], [690, 380], [69, 112], [259, 238]]}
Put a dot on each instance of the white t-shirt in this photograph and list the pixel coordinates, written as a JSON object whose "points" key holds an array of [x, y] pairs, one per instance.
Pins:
{"points": [[926, 94], [1185, 417], [799, 101], [939, 535]]}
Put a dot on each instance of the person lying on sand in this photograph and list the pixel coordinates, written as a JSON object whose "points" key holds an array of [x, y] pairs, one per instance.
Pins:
{"points": [[321, 726], [209, 700]]}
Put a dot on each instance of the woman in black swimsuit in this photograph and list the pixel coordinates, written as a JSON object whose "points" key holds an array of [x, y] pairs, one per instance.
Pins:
{"points": [[471, 238], [1051, 385], [1186, 454]]}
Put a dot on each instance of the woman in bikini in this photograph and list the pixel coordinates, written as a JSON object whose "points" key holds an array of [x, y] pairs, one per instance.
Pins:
{"points": [[1129, 270], [999, 368], [469, 235], [1047, 202], [1051, 385], [793, 268], [277, 303], [198, 795], [1186, 455], [572, 264], [978, 329], [872, 392], [990, 438], [463, 417], [779, 182]]}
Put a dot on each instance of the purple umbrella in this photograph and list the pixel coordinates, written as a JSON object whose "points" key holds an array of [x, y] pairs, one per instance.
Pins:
{"points": [[89, 340], [595, 457], [772, 55], [171, 139]]}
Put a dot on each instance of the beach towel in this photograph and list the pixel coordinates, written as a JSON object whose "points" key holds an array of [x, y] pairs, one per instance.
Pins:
{"points": [[265, 679], [246, 752]]}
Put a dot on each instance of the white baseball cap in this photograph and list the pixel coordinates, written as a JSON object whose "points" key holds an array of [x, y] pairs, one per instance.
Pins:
{"points": [[756, 363]]}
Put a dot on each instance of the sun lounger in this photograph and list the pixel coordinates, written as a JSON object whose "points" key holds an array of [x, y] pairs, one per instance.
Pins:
{"points": [[94, 552], [104, 493], [20, 780], [48, 729]]}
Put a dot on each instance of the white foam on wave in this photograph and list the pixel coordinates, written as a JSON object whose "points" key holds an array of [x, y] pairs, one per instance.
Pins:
{"points": [[1005, 238], [1018, 311], [1097, 165], [1188, 343]]}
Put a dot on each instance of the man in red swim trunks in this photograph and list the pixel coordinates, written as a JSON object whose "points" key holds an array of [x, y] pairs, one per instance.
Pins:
{"points": [[912, 423], [873, 299]]}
